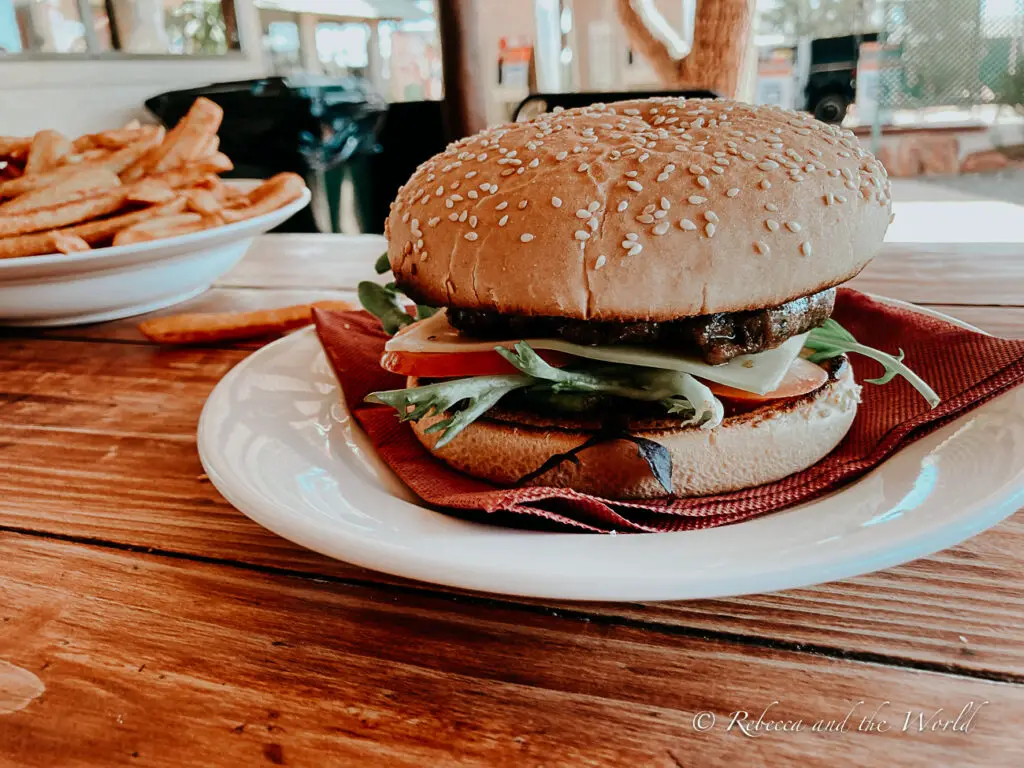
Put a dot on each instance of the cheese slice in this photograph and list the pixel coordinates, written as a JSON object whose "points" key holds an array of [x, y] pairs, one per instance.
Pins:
{"points": [[759, 373]]}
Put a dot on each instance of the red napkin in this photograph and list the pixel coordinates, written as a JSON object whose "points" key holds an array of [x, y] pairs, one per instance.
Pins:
{"points": [[964, 368]]}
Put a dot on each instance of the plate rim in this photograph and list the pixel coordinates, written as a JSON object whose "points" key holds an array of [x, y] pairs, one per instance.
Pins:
{"points": [[368, 552]]}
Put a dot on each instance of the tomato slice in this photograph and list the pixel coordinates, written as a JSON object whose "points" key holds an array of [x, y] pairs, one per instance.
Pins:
{"points": [[801, 378], [443, 365]]}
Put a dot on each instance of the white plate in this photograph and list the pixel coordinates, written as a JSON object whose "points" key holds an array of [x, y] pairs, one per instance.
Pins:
{"points": [[278, 442], [110, 283]]}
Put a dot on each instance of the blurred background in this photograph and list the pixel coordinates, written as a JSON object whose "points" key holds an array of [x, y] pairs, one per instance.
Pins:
{"points": [[352, 92]]}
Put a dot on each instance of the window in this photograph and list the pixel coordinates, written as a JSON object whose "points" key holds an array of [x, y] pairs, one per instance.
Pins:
{"points": [[156, 27]]}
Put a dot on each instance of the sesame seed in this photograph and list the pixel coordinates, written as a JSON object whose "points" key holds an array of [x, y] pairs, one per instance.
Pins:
{"points": [[631, 111], [507, 172], [583, 167], [463, 216], [473, 194], [631, 174], [627, 244], [661, 228], [748, 156], [594, 205], [449, 203], [623, 205], [767, 165], [433, 222], [561, 156], [833, 172], [471, 235], [829, 198], [581, 235], [669, 168], [644, 156], [771, 207], [503, 220], [439, 191], [687, 225], [703, 181], [765, 184], [556, 201], [501, 206], [650, 208], [632, 236], [709, 229], [711, 216], [636, 186], [696, 170], [593, 223], [405, 217], [761, 247], [717, 169], [696, 199], [772, 224], [419, 243], [472, 221], [793, 226], [732, 192], [635, 249], [522, 204], [582, 213], [660, 214], [665, 204], [841, 198], [600, 262], [805, 248], [534, 163], [645, 218], [525, 237], [453, 216]]}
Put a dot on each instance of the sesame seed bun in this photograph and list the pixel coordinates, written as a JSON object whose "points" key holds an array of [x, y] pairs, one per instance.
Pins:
{"points": [[749, 449], [651, 209]]}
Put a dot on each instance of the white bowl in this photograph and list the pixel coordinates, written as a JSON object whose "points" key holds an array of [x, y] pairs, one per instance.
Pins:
{"points": [[111, 283]]}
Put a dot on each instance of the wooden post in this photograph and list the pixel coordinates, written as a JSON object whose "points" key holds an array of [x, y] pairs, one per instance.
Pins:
{"points": [[720, 41], [465, 85]]}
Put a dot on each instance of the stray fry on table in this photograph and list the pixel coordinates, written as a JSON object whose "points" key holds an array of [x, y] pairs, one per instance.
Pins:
{"points": [[233, 326]]}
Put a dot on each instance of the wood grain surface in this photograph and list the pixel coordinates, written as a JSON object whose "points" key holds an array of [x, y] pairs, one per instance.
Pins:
{"points": [[168, 629]]}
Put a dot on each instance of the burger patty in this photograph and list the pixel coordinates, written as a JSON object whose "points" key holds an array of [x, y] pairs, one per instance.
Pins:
{"points": [[717, 338]]}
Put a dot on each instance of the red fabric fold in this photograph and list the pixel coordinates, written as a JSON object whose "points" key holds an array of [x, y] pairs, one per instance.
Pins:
{"points": [[965, 368]]}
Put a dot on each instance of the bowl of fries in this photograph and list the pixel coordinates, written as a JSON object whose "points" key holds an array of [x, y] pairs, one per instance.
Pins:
{"points": [[126, 221]]}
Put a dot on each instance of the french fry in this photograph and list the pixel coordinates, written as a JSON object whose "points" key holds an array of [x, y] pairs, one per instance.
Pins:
{"points": [[47, 150], [276, 192], [85, 183], [191, 175], [14, 146], [93, 232], [150, 191], [209, 148], [115, 161], [124, 136], [39, 219], [86, 156], [181, 144], [66, 243], [202, 201], [159, 228], [233, 326]]}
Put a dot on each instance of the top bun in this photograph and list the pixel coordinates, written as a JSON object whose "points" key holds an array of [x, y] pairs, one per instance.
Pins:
{"points": [[651, 209]]}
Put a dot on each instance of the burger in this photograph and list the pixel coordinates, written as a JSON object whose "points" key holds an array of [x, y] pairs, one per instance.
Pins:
{"points": [[633, 299]]}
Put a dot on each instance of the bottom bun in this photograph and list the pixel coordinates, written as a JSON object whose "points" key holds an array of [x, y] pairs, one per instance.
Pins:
{"points": [[748, 449]]}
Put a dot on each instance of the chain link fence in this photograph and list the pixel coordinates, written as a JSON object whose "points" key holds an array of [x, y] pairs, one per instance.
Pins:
{"points": [[951, 53]]}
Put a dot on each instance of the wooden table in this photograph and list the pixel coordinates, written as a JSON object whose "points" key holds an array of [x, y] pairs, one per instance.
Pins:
{"points": [[168, 629]]}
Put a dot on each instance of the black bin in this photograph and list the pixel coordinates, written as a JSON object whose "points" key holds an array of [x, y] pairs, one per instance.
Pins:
{"points": [[308, 124]]}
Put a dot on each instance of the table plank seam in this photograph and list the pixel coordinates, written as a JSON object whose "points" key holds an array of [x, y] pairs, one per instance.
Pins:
{"points": [[573, 614]]}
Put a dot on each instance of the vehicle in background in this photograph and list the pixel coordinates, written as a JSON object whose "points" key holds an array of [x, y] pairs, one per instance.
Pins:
{"points": [[832, 75], [817, 75]]}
